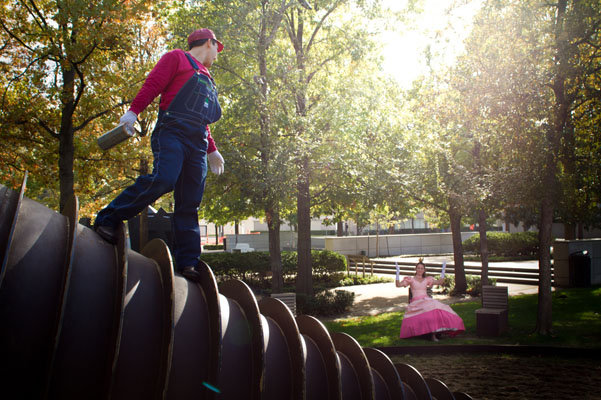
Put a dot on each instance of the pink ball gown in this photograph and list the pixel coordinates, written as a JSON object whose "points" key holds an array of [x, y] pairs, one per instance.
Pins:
{"points": [[425, 315]]}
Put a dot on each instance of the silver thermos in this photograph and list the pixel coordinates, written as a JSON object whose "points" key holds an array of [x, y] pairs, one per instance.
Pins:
{"points": [[114, 137]]}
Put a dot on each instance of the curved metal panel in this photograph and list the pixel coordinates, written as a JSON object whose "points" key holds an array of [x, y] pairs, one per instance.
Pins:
{"points": [[277, 376], [346, 344], [138, 372], [385, 367], [158, 251], [30, 298], [315, 329], [281, 314], [9, 210], [412, 377], [80, 318], [235, 374], [241, 293]]}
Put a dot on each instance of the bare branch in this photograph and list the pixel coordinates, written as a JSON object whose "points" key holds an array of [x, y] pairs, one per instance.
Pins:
{"points": [[97, 115]]}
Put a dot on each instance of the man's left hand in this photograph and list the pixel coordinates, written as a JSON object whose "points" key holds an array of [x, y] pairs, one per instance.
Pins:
{"points": [[216, 162]]}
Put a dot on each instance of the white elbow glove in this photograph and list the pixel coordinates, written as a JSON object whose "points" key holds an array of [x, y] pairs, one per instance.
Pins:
{"points": [[216, 162], [128, 120]]}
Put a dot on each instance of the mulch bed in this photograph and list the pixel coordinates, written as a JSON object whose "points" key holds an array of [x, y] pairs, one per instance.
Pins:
{"points": [[512, 375]]}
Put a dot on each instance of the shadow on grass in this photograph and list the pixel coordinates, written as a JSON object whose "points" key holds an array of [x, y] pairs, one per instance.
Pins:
{"points": [[576, 323]]}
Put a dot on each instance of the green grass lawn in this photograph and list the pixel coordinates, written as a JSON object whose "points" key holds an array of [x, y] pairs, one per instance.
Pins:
{"points": [[576, 323]]}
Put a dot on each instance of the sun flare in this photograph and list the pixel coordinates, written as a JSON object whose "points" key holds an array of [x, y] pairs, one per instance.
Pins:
{"points": [[438, 29]]}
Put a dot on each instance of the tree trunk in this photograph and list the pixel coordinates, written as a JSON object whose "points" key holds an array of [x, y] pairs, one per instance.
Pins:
{"points": [[304, 280], [561, 111], [339, 228], [359, 226], [483, 246], [569, 231], [271, 210], [460, 281], [66, 149], [377, 239], [544, 311], [275, 257]]}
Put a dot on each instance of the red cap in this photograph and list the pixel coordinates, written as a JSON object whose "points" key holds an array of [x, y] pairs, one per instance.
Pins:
{"points": [[204, 33]]}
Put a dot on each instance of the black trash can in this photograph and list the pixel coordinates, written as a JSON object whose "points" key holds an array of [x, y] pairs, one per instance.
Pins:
{"points": [[580, 269]]}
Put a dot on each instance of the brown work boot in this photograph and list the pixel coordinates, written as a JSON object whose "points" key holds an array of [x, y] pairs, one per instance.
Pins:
{"points": [[191, 273], [106, 232]]}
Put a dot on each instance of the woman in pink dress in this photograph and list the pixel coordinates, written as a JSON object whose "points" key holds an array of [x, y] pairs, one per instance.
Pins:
{"points": [[424, 315]]}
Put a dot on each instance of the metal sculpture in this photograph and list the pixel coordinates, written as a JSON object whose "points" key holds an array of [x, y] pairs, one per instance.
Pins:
{"points": [[83, 319]]}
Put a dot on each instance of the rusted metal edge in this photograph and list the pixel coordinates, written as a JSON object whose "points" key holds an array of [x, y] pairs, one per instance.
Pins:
{"points": [[118, 305], [349, 346], [208, 283], [240, 292], [158, 251], [9, 239], [71, 211], [380, 362], [316, 330], [281, 314]]}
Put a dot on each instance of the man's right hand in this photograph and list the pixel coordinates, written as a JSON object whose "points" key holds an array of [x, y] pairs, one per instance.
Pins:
{"points": [[128, 120]]}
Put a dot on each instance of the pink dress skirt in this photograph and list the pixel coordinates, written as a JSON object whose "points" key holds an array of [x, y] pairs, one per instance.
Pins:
{"points": [[425, 315]]}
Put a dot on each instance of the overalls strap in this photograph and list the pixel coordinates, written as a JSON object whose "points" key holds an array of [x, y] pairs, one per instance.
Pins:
{"points": [[196, 102], [196, 67], [192, 61]]}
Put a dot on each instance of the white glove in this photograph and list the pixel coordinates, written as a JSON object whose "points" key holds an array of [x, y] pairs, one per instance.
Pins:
{"points": [[216, 162], [128, 120]]}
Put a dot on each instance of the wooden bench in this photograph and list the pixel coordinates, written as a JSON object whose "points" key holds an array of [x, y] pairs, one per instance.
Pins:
{"points": [[287, 298], [493, 319], [355, 261]]}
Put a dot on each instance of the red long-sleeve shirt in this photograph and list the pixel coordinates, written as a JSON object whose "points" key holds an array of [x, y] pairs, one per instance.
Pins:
{"points": [[166, 78]]}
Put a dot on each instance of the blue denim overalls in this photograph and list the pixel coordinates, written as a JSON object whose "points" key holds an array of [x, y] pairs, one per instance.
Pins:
{"points": [[179, 147]]}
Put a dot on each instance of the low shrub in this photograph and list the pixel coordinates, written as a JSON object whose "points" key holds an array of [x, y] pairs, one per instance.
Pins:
{"points": [[327, 281], [505, 244], [237, 265], [326, 264], [325, 303], [351, 280], [213, 247]]}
